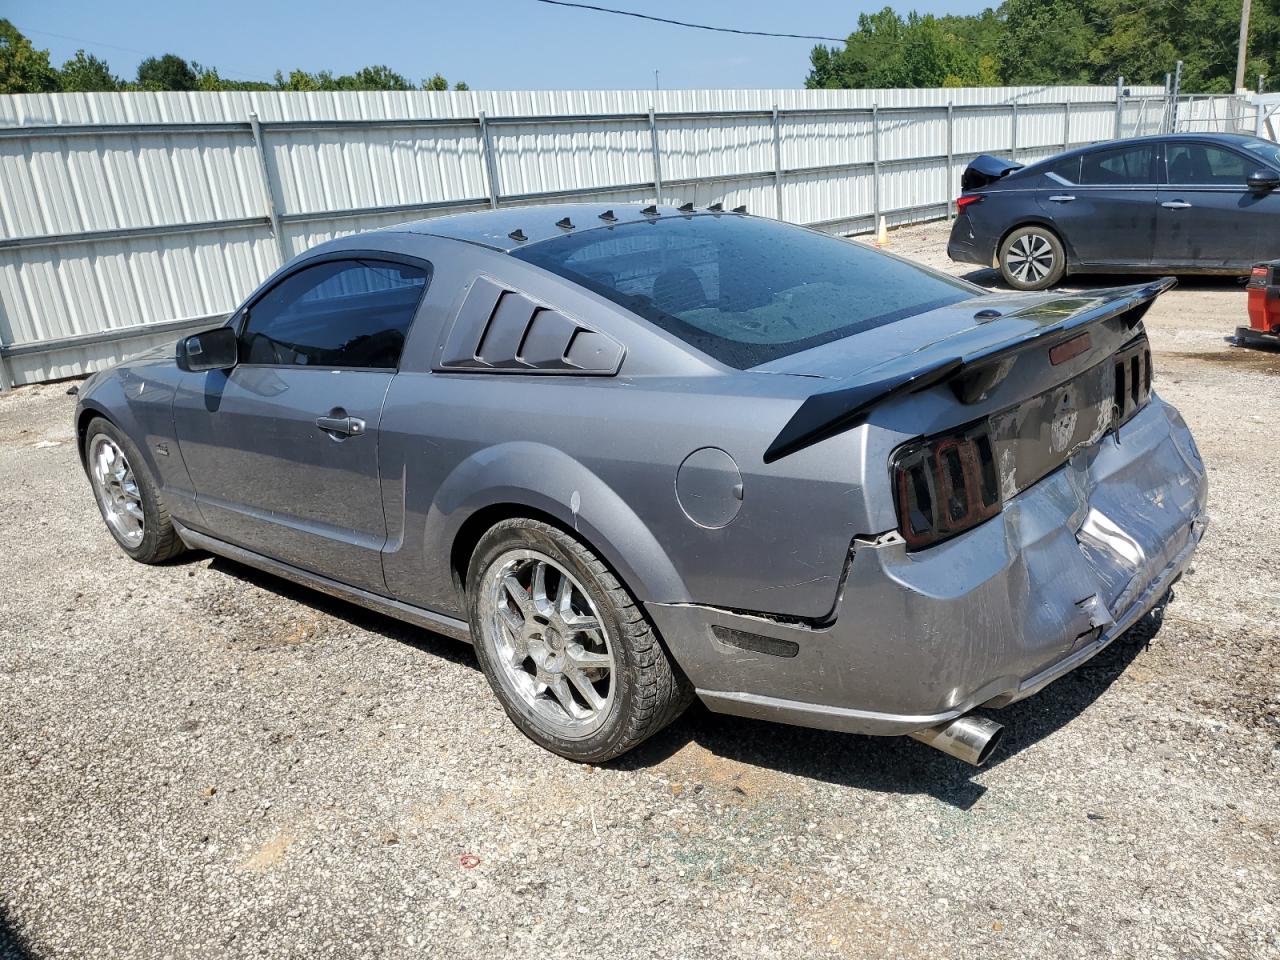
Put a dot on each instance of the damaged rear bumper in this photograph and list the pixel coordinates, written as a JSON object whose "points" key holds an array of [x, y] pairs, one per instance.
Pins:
{"points": [[988, 618], [966, 246]]}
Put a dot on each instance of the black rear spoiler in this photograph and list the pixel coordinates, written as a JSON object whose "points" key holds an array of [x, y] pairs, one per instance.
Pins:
{"points": [[826, 414], [985, 170]]}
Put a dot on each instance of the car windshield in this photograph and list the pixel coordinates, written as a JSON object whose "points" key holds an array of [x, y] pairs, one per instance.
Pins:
{"points": [[741, 289], [1268, 151]]}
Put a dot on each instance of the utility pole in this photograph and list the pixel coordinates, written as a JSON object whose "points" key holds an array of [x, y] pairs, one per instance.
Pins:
{"points": [[1244, 44], [1177, 90]]}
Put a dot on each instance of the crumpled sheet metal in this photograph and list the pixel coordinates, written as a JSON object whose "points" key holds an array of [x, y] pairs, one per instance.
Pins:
{"points": [[983, 617]]}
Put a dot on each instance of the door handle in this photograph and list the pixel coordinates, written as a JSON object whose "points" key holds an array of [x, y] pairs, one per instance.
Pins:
{"points": [[1175, 204], [1062, 198], [346, 426]]}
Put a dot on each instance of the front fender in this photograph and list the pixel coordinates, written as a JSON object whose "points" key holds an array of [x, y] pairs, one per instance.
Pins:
{"points": [[533, 475], [138, 399], [108, 396]]}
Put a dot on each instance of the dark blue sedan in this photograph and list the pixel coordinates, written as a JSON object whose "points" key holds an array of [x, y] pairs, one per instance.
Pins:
{"points": [[1181, 203]]}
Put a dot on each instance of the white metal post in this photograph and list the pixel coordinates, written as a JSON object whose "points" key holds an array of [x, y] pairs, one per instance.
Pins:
{"points": [[777, 161], [1066, 125], [490, 168], [1177, 89], [268, 192], [657, 157], [875, 165], [1119, 104], [1013, 150], [951, 155], [5, 380]]}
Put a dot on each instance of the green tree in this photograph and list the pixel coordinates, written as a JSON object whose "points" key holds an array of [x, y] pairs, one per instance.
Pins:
{"points": [[85, 73], [436, 82], [168, 72], [375, 78], [208, 79], [1050, 42], [304, 82], [366, 78], [1201, 33], [889, 50], [1055, 42], [23, 68]]}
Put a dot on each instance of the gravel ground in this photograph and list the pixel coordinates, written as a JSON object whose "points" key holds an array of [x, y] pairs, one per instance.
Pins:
{"points": [[199, 760]]}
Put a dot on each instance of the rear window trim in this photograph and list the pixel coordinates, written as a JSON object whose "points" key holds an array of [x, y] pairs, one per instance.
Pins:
{"points": [[690, 337]]}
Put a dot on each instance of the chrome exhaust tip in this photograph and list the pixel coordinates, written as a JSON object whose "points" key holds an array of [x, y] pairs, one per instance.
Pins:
{"points": [[969, 738]]}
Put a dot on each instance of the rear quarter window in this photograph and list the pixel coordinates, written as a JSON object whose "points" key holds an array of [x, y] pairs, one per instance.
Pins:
{"points": [[1065, 171]]}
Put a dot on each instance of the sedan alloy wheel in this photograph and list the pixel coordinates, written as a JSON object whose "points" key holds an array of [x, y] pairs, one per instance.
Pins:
{"points": [[1031, 258]]}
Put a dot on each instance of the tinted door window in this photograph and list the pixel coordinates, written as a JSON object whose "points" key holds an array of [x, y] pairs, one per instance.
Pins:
{"points": [[342, 313], [1265, 150], [1201, 164], [1128, 166]]}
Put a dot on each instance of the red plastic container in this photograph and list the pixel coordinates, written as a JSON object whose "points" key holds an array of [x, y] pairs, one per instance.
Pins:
{"points": [[1264, 306]]}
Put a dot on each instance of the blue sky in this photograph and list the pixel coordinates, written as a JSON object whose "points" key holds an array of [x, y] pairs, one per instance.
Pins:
{"points": [[492, 44]]}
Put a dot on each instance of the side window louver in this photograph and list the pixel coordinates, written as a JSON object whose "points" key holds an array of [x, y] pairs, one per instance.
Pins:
{"points": [[500, 330]]}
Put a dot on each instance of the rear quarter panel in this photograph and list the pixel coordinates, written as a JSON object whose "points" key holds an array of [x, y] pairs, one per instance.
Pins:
{"points": [[601, 457], [979, 228]]}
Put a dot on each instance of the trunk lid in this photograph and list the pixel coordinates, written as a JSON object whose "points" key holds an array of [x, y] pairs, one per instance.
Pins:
{"points": [[966, 344], [986, 170]]}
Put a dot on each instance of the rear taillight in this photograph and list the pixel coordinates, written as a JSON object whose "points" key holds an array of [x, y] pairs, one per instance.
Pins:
{"points": [[1260, 276], [945, 485], [969, 199]]}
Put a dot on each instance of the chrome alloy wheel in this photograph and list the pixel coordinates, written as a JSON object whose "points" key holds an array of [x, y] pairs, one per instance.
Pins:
{"points": [[117, 490], [552, 647], [1030, 258]]}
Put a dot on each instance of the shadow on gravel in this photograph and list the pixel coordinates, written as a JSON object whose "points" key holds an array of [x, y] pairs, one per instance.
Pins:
{"points": [[885, 764], [13, 946], [435, 644], [897, 764]]}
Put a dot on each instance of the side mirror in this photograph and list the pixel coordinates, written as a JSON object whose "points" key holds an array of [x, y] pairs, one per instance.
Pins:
{"points": [[1263, 180], [216, 349]]}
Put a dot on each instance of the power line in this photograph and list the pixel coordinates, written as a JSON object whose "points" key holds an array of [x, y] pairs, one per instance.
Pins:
{"points": [[695, 26], [142, 53]]}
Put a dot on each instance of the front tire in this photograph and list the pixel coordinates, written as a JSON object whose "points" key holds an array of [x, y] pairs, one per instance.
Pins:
{"points": [[127, 495], [1032, 258], [566, 649]]}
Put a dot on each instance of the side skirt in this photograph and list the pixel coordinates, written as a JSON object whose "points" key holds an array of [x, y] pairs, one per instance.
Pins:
{"points": [[438, 623]]}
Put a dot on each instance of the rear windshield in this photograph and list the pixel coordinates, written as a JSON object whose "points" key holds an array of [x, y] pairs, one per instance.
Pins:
{"points": [[741, 289]]}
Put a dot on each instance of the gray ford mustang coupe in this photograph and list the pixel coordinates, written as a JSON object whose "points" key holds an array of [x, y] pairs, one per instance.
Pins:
{"points": [[638, 455]]}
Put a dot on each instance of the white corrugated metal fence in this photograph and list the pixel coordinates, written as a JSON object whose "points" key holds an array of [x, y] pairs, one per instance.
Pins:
{"points": [[125, 218]]}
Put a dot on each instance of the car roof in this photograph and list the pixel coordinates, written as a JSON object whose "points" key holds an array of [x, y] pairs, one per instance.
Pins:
{"points": [[1223, 138], [536, 223]]}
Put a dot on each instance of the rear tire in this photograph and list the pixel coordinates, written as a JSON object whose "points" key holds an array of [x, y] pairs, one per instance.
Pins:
{"points": [[1032, 258], [127, 495], [565, 647]]}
